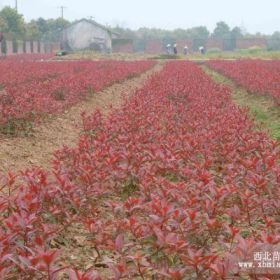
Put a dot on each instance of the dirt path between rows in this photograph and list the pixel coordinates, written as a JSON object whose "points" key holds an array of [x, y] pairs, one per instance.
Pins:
{"points": [[37, 151]]}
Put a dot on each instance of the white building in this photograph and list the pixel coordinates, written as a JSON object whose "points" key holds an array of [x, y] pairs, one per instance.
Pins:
{"points": [[88, 34]]}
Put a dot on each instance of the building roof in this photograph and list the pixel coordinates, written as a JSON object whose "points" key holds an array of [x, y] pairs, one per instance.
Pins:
{"points": [[93, 23]]}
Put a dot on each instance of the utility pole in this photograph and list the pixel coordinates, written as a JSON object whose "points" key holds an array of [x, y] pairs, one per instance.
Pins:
{"points": [[16, 6], [62, 11]]}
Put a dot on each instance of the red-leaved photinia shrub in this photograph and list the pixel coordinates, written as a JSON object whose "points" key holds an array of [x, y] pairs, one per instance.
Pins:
{"points": [[198, 184], [257, 76], [29, 89], [176, 184], [32, 215]]}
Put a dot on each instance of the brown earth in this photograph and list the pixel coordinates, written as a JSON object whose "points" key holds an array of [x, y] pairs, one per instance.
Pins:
{"points": [[37, 150]]}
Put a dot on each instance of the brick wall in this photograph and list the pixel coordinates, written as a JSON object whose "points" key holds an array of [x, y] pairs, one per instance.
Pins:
{"points": [[215, 43], [123, 48], [250, 42], [153, 47], [182, 43]]}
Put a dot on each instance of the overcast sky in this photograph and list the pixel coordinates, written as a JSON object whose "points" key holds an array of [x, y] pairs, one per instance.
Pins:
{"points": [[255, 15]]}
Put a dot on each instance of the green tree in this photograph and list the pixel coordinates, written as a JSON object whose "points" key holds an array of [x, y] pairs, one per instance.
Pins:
{"points": [[12, 21], [199, 35], [199, 32], [221, 31], [235, 34], [42, 25], [55, 29], [3, 25], [32, 31], [274, 41]]}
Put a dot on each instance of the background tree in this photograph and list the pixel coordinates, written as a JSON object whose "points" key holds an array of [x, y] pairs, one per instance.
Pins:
{"points": [[3, 25], [12, 22], [42, 25], [199, 35], [55, 29], [13, 25], [32, 31], [235, 34], [274, 41], [221, 31]]}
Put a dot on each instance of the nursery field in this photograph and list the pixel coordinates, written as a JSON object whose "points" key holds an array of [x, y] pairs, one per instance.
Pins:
{"points": [[178, 181], [257, 76], [32, 89]]}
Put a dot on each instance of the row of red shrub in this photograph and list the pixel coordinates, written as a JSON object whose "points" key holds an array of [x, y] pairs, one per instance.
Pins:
{"points": [[30, 89], [257, 76], [176, 184], [206, 183]]}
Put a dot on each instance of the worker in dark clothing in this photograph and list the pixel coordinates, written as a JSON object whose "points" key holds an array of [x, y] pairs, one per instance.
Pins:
{"points": [[175, 49], [202, 50]]}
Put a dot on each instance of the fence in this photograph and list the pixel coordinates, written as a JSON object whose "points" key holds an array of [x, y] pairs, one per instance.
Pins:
{"points": [[9, 47]]}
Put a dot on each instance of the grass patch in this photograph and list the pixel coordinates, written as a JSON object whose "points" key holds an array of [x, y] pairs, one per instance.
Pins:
{"points": [[166, 56], [171, 177], [59, 95], [17, 127], [90, 91], [130, 187], [262, 108], [237, 54]]}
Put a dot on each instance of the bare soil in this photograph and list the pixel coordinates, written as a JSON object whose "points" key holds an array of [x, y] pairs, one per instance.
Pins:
{"points": [[37, 150]]}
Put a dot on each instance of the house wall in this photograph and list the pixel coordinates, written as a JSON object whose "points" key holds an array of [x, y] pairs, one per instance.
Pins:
{"points": [[83, 34]]}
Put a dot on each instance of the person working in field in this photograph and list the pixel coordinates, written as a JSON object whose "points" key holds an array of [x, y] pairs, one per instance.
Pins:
{"points": [[175, 49], [186, 50], [201, 50], [168, 48]]}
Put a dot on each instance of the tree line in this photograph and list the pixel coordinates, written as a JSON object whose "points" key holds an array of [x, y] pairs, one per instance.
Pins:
{"points": [[198, 35], [14, 26]]}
